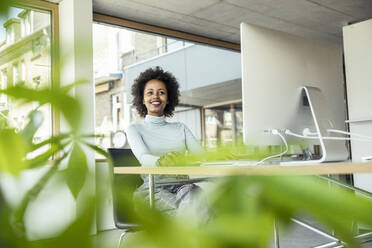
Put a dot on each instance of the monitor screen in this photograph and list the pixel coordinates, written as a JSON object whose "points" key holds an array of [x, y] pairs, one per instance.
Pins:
{"points": [[275, 67]]}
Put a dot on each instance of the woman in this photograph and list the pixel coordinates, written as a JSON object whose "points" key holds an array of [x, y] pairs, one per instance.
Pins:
{"points": [[156, 142]]}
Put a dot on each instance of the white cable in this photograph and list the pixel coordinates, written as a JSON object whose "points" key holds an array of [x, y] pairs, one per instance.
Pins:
{"points": [[307, 132], [348, 133], [366, 158], [276, 132], [289, 132]]}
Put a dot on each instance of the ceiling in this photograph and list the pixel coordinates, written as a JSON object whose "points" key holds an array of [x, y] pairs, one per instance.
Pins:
{"points": [[220, 19]]}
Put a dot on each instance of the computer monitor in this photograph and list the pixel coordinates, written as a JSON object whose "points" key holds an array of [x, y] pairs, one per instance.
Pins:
{"points": [[275, 68]]}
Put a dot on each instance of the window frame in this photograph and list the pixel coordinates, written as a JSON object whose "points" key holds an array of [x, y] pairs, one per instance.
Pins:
{"points": [[125, 23]]}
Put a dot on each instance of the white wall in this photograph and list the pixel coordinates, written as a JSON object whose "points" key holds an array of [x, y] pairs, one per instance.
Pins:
{"points": [[194, 66], [358, 61], [274, 67]]}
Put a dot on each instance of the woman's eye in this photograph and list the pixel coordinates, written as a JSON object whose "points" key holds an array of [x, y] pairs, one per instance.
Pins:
{"points": [[149, 93]]}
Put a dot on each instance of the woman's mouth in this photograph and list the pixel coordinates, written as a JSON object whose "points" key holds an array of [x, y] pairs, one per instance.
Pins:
{"points": [[156, 103]]}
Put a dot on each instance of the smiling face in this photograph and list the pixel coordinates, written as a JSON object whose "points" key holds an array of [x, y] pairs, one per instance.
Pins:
{"points": [[155, 97]]}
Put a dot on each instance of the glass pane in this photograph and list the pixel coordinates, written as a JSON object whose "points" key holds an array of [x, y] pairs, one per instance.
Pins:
{"points": [[25, 59], [206, 75], [223, 125], [239, 122]]}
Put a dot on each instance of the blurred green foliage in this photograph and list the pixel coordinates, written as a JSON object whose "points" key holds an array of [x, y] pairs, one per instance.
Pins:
{"points": [[16, 147], [241, 210], [4, 7], [237, 151]]}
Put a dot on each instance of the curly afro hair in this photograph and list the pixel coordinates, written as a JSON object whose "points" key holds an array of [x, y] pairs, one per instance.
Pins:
{"points": [[159, 74]]}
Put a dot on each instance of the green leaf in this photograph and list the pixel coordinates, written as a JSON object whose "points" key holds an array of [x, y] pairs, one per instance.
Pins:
{"points": [[77, 170], [12, 152], [53, 140], [58, 98], [4, 7], [36, 119], [43, 158], [67, 88], [98, 150], [8, 237], [335, 207], [91, 136]]}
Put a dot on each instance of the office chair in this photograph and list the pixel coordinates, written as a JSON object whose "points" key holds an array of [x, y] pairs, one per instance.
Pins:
{"points": [[129, 183]]}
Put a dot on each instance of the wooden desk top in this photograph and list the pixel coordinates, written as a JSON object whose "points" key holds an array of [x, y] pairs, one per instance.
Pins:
{"points": [[268, 170]]}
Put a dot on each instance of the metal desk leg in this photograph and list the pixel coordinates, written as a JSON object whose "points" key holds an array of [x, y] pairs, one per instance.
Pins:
{"points": [[151, 191], [276, 235]]}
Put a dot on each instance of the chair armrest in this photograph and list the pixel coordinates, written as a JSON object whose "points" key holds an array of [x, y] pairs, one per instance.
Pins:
{"points": [[181, 182]]}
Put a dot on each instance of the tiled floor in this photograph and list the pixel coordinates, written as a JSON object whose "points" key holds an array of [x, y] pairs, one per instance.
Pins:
{"points": [[296, 237], [300, 237]]}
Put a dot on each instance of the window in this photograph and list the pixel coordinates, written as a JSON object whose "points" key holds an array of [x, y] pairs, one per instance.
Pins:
{"points": [[15, 74], [223, 125], [36, 82], [3, 85], [23, 71], [116, 112], [22, 66], [173, 44], [126, 40], [36, 47], [26, 23], [23, 28], [161, 45], [201, 70], [10, 36]]}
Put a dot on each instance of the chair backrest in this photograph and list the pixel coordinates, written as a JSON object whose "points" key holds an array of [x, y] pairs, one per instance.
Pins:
{"points": [[123, 186]]}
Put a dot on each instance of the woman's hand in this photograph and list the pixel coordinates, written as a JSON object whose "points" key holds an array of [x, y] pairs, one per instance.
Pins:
{"points": [[169, 159]]}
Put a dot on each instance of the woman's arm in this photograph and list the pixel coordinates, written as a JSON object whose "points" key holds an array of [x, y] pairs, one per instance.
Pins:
{"points": [[139, 148]]}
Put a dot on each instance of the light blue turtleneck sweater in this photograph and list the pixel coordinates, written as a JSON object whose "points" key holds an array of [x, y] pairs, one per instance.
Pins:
{"points": [[155, 137]]}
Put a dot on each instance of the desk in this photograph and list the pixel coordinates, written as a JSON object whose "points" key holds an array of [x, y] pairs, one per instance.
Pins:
{"points": [[261, 170]]}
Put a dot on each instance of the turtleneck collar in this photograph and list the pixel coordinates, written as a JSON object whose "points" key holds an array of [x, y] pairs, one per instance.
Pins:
{"points": [[155, 120]]}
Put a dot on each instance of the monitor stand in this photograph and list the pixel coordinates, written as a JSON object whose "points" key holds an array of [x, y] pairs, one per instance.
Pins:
{"points": [[331, 150]]}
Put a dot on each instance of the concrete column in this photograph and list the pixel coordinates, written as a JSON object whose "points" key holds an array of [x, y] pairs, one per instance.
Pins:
{"points": [[76, 50]]}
